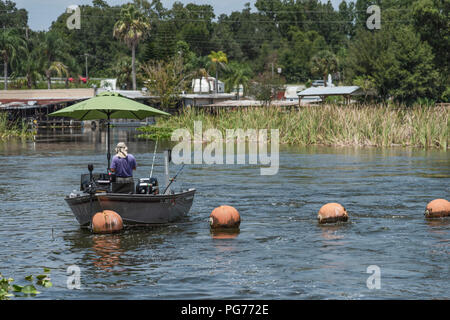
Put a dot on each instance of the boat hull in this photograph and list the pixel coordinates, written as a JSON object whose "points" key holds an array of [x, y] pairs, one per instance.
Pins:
{"points": [[135, 209], [81, 208]]}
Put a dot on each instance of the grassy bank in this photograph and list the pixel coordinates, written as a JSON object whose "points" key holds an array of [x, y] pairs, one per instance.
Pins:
{"points": [[381, 126], [8, 129]]}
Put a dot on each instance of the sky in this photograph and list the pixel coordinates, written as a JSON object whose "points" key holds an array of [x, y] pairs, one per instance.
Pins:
{"points": [[41, 13]]}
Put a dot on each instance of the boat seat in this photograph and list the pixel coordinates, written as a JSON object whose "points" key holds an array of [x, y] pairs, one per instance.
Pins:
{"points": [[122, 187]]}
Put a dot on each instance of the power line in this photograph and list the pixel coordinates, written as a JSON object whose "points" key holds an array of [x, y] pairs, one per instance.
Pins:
{"points": [[184, 10]]}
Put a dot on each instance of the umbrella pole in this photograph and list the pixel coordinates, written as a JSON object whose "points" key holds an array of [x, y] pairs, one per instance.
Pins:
{"points": [[108, 155]]}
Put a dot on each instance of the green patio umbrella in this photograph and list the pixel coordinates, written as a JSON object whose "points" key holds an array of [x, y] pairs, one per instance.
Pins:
{"points": [[108, 105]]}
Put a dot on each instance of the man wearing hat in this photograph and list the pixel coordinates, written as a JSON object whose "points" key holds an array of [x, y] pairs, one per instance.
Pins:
{"points": [[123, 164]]}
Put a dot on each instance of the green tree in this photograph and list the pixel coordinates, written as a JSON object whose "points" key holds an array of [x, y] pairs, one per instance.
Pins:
{"points": [[238, 74], [161, 45], [248, 29], [265, 86], [224, 40], [193, 24], [123, 71], [58, 68], [347, 17], [95, 38], [53, 53], [11, 17], [10, 45], [400, 64], [217, 60], [131, 28], [296, 54], [30, 62], [166, 79], [432, 22], [323, 64]]}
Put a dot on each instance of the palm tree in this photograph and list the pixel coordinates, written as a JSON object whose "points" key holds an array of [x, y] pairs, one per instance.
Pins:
{"points": [[30, 66], [53, 50], [324, 63], [217, 60], [56, 67], [239, 74], [10, 44], [131, 28], [30, 62], [123, 71]]}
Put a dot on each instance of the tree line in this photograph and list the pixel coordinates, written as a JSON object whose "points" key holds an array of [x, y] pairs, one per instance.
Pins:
{"points": [[138, 42]]}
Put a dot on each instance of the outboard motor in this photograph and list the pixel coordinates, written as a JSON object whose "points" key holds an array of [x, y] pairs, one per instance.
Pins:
{"points": [[147, 186]]}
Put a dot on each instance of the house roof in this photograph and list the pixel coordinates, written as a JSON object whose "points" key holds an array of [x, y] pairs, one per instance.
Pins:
{"points": [[44, 94], [330, 91], [250, 103]]}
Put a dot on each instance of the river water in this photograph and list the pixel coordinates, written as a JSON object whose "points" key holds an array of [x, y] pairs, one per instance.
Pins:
{"points": [[281, 252]]}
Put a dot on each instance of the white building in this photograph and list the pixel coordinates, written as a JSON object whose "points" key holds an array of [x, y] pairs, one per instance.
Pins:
{"points": [[290, 93], [108, 84], [208, 85]]}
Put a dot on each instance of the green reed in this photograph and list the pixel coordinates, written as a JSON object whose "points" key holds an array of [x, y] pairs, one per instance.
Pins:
{"points": [[13, 129], [337, 125]]}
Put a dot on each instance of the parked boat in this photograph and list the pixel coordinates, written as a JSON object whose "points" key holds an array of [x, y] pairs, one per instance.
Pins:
{"points": [[142, 205], [133, 208]]}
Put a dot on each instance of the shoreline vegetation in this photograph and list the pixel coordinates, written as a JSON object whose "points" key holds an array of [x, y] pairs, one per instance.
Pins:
{"points": [[13, 129], [331, 125]]}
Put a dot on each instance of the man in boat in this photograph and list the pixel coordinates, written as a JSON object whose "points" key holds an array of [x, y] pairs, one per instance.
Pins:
{"points": [[123, 164]]}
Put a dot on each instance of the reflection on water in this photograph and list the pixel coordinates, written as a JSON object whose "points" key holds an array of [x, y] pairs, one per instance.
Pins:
{"points": [[224, 234], [107, 250], [332, 232], [279, 252]]}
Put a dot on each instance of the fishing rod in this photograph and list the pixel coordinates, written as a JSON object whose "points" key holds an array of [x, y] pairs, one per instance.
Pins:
{"points": [[173, 179], [154, 154]]}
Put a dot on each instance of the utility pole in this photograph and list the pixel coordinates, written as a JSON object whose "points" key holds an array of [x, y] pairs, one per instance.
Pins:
{"points": [[86, 62]]}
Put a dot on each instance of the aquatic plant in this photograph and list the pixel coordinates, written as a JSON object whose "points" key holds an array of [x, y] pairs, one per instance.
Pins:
{"points": [[13, 129], [9, 290], [155, 133], [338, 125]]}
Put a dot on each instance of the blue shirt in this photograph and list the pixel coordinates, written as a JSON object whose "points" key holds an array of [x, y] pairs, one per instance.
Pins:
{"points": [[123, 167]]}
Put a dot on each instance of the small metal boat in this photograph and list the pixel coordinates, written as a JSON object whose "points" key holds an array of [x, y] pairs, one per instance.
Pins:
{"points": [[133, 208], [141, 205]]}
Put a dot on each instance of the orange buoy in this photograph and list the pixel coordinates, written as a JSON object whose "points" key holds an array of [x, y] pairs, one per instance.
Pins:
{"points": [[107, 221], [437, 208], [224, 217], [332, 212]]}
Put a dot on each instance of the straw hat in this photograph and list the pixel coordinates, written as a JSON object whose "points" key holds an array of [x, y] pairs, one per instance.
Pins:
{"points": [[121, 150]]}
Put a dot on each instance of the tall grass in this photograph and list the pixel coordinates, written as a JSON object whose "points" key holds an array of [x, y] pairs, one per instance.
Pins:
{"points": [[12, 129], [369, 125]]}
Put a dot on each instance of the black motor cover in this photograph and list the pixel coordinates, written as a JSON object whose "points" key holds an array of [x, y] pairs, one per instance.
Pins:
{"points": [[147, 186]]}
